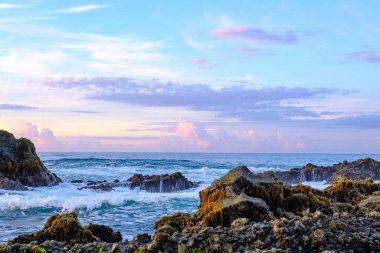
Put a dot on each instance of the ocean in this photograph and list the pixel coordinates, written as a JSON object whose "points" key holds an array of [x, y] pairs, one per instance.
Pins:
{"points": [[132, 211]]}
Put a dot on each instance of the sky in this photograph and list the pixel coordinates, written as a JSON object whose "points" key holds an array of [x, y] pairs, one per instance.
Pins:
{"points": [[192, 76]]}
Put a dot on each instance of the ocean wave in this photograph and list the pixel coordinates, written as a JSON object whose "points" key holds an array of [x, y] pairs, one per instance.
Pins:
{"points": [[67, 198]]}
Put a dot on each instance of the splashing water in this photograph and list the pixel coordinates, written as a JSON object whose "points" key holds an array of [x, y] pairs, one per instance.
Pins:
{"points": [[132, 211]]}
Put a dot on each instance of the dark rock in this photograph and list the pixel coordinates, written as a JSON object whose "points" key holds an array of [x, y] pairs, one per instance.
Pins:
{"points": [[101, 186], [8, 184], [156, 183], [20, 165], [104, 233], [77, 181], [356, 170], [161, 183]]}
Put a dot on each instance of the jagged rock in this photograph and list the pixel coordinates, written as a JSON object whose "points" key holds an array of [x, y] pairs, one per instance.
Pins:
{"points": [[155, 183], [242, 194], [104, 233], [349, 191], [161, 183], [20, 166], [356, 170]]}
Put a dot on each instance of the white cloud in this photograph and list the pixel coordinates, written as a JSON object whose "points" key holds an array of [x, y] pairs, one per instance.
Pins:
{"points": [[85, 8]]}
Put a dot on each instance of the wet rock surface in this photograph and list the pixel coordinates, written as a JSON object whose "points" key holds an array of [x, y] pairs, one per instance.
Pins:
{"points": [[356, 170], [20, 166], [154, 183], [240, 212]]}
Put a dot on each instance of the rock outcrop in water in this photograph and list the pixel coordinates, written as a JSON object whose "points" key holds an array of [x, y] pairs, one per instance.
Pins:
{"points": [[161, 183], [241, 212], [155, 183], [356, 170], [20, 166]]}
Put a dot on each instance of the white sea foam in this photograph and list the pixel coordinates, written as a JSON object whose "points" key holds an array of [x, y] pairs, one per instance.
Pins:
{"points": [[264, 169], [316, 184], [68, 198]]}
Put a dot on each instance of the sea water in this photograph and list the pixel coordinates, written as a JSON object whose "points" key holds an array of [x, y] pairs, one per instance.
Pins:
{"points": [[132, 211]]}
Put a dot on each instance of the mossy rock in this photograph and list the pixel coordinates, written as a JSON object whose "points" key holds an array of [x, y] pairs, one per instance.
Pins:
{"points": [[178, 221], [62, 228], [36, 249], [350, 191]]}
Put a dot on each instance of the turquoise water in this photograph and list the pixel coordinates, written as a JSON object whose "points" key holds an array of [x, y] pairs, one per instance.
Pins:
{"points": [[132, 211]]}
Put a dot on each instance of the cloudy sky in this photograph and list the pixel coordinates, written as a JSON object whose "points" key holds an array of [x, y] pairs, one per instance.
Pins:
{"points": [[192, 76]]}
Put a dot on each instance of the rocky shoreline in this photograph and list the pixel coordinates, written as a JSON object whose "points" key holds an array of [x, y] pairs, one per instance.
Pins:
{"points": [[239, 212]]}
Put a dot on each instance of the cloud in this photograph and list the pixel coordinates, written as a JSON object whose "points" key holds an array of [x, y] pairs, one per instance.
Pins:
{"points": [[43, 139], [16, 107], [197, 61], [85, 8], [13, 6], [233, 102], [194, 134], [203, 64], [290, 143], [365, 55], [256, 35]]}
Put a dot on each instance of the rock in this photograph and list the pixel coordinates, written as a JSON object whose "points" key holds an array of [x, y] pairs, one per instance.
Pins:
{"points": [[77, 181], [240, 222], [102, 186], [53, 246], [349, 191], [242, 194], [104, 233], [178, 221], [161, 183], [20, 166], [61, 228], [156, 183], [356, 170], [8, 184]]}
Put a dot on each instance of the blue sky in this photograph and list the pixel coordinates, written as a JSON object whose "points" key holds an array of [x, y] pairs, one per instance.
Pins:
{"points": [[204, 76]]}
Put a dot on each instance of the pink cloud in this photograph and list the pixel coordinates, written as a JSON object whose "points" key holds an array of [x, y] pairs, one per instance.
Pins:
{"points": [[43, 139], [193, 134], [289, 143], [197, 61], [255, 35], [365, 55]]}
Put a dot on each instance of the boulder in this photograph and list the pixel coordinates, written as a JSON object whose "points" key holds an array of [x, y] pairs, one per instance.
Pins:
{"points": [[20, 166], [257, 197], [61, 228], [104, 233]]}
